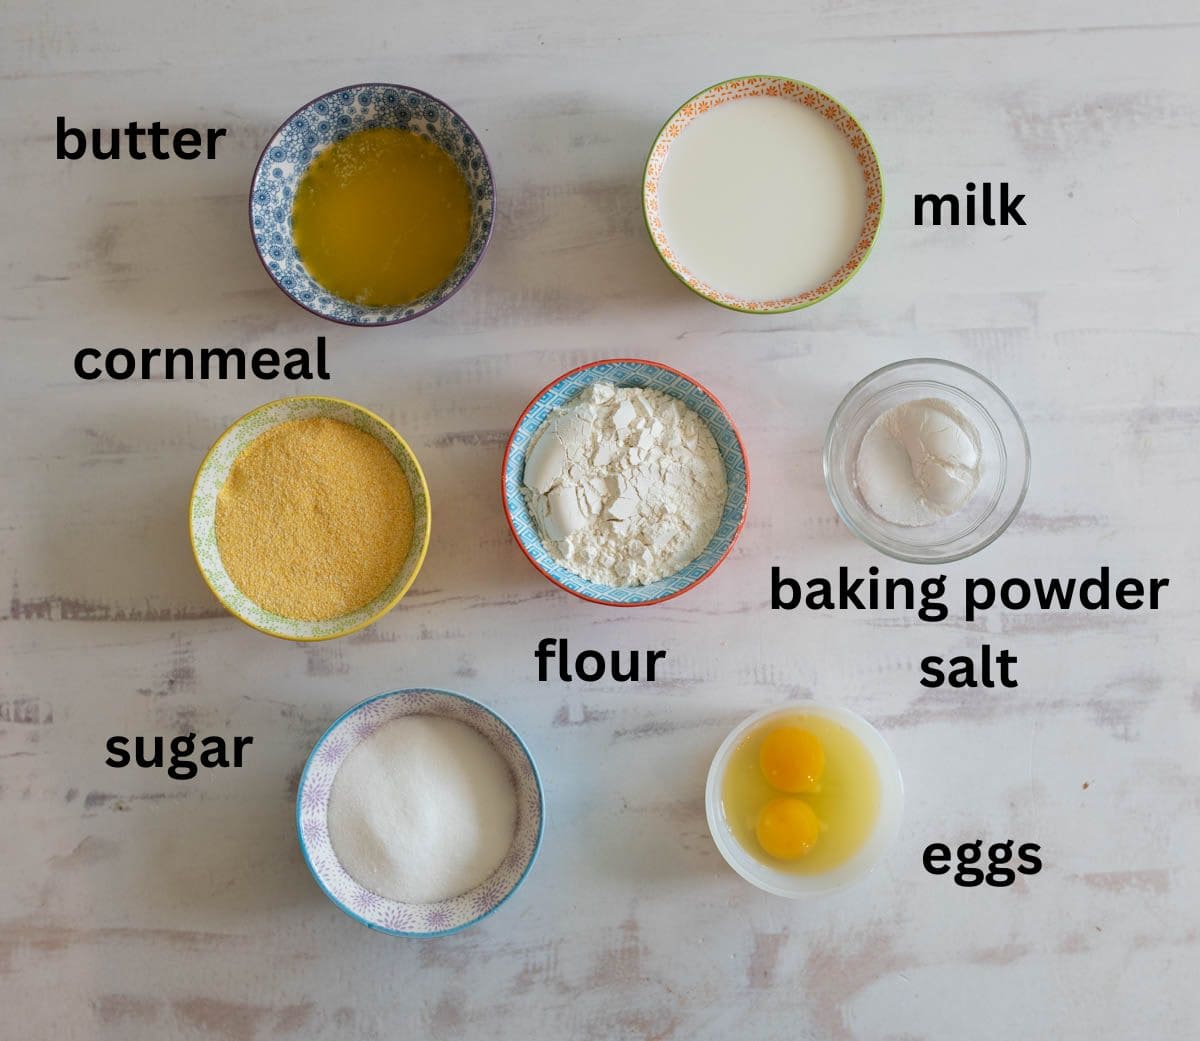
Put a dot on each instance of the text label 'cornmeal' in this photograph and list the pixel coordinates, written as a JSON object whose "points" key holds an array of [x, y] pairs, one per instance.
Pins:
{"points": [[218, 363]]}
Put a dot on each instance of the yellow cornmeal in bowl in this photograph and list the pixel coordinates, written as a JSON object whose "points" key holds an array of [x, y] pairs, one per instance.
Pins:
{"points": [[382, 217], [315, 519]]}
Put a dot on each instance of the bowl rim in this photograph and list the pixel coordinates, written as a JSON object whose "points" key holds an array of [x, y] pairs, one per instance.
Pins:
{"points": [[403, 318], [870, 147], [890, 786], [420, 559], [895, 554], [737, 531], [537, 783]]}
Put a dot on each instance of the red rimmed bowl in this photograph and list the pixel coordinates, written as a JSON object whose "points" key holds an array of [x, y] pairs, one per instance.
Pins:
{"points": [[627, 372]]}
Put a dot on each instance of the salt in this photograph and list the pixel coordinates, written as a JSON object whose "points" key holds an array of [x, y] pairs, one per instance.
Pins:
{"points": [[918, 463]]}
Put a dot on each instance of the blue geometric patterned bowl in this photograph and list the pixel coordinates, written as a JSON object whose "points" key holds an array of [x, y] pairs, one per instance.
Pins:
{"points": [[393, 916], [627, 372], [330, 118]]}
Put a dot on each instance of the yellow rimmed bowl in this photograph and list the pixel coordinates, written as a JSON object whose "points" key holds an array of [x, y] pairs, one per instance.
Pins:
{"points": [[802, 94], [214, 471]]}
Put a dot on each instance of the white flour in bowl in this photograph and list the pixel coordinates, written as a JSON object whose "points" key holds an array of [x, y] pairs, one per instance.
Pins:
{"points": [[626, 485]]}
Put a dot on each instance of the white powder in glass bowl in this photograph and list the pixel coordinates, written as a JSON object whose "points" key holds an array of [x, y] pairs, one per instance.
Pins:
{"points": [[918, 463]]}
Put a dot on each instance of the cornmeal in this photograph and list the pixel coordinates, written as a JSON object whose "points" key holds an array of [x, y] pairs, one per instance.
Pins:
{"points": [[315, 519]]}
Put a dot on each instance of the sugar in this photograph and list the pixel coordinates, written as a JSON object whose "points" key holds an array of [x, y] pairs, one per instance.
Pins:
{"points": [[422, 810]]}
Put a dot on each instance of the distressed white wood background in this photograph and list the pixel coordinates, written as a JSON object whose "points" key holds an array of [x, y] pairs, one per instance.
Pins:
{"points": [[136, 907]]}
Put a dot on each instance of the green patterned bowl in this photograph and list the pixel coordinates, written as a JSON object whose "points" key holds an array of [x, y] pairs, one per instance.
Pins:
{"points": [[211, 477]]}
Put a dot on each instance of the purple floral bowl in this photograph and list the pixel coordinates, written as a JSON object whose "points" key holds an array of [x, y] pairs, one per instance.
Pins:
{"points": [[392, 916]]}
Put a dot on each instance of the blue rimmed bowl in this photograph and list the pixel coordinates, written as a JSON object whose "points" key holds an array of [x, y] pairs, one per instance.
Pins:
{"points": [[329, 118], [627, 372], [393, 916]]}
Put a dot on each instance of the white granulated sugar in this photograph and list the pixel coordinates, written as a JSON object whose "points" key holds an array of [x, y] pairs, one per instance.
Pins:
{"points": [[626, 485], [423, 810]]}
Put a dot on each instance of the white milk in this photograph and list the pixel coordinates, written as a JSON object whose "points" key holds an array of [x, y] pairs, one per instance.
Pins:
{"points": [[762, 198]]}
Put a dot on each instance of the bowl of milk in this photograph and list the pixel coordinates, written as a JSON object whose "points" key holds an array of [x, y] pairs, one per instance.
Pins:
{"points": [[927, 460], [763, 194]]}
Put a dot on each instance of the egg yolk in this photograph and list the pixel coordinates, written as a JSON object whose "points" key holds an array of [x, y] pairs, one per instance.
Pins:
{"points": [[787, 828], [792, 760]]}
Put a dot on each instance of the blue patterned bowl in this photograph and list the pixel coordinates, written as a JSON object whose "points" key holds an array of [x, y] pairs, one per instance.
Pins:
{"points": [[392, 916], [627, 372], [330, 118]]}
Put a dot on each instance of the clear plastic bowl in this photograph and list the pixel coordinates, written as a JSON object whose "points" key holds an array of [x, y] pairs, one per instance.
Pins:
{"points": [[887, 824], [1004, 458]]}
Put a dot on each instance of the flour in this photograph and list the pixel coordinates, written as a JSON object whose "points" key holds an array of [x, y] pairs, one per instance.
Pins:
{"points": [[625, 485]]}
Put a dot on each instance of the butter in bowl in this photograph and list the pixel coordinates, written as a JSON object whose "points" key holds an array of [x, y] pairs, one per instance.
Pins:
{"points": [[372, 204]]}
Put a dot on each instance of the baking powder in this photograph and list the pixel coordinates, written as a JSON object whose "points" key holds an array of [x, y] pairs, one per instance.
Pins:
{"points": [[918, 463]]}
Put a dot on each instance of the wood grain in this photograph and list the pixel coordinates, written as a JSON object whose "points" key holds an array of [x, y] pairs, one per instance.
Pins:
{"points": [[139, 907]]}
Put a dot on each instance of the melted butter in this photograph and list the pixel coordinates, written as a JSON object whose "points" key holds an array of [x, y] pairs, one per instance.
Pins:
{"points": [[381, 217]]}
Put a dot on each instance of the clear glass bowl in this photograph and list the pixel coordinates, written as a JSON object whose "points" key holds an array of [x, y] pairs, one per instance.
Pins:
{"points": [[1004, 459], [887, 824]]}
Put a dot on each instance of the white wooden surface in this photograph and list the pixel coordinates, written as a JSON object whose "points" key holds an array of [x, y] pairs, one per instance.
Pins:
{"points": [[138, 907]]}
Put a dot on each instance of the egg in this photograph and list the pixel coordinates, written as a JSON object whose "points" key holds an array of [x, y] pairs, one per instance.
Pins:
{"points": [[792, 759], [801, 793], [787, 828]]}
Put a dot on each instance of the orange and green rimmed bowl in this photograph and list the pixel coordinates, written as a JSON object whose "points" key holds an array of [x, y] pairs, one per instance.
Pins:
{"points": [[767, 208], [211, 478]]}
